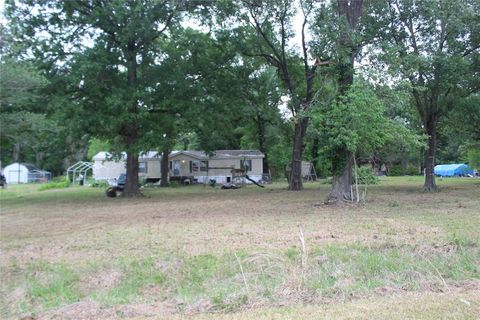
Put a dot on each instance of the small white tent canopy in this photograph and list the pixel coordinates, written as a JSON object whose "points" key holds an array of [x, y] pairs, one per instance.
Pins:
{"points": [[308, 171], [78, 171], [25, 173]]}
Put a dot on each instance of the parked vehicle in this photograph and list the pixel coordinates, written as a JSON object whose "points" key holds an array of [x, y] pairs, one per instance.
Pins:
{"points": [[3, 181], [117, 186]]}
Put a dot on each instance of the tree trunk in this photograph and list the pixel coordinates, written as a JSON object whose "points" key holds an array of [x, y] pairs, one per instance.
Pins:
{"points": [[131, 130], [295, 181], [422, 160], [342, 181], [16, 152], [342, 162], [314, 155], [132, 188], [403, 161], [261, 142], [164, 168], [39, 159], [431, 128]]}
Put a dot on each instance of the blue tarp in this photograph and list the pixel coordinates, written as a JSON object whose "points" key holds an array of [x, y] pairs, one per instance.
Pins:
{"points": [[450, 170]]}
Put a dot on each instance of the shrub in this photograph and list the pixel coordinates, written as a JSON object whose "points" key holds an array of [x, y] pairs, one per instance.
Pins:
{"points": [[366, 176], [56, 183], [413, 171], [99, 184], [395, 171]]}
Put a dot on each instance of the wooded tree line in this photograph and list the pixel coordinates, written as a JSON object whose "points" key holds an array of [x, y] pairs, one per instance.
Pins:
{"points": [[391, 82]]}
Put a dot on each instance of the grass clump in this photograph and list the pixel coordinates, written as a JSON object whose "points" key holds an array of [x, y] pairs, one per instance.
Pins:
{"points": [[136, 275], [98, 184], [216, 278], [56, 183], [52, 284], [359, 270]]}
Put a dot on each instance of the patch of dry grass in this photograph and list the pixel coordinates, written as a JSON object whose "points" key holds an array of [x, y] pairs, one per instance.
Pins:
{"points": [[136, 254], [407, 306]]}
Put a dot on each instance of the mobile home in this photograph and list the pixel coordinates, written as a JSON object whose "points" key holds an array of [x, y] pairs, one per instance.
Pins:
{"points": [[220, 165], [106, 166]]}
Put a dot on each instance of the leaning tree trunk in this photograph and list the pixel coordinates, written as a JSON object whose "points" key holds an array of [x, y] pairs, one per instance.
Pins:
{"points": [[295, 181], [431, 129], [164, 168]]}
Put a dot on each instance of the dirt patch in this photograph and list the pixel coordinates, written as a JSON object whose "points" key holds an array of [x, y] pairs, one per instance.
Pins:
{"points": [[146, 310], [18, 294], [465, 285], [101, 281], [388, 291], [426, 250], [201, 306], [82, 310], [87, 310]]}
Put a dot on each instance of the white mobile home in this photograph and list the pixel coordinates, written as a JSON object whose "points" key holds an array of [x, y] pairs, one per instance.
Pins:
{"points": [[218, 166], [196, 165], [106, 167]]}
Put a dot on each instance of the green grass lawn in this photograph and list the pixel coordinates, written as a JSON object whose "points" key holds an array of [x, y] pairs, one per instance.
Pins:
{"points": [[239, 254]]}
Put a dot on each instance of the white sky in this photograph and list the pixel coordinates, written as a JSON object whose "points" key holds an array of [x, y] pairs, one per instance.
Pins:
{"points": [[2, 18]]}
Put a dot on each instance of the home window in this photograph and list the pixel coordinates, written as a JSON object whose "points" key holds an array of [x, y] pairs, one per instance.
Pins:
{"points": [[197, 166], [246, 164], [142, 167]]}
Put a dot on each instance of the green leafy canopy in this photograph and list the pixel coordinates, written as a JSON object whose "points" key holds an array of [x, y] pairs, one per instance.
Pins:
{"points": [[355, 121]]}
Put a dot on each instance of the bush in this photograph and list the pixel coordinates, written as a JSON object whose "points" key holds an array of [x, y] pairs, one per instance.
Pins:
{"points": [[366, 176], [99, 184], [413, 171], [395, 171], [56, 183]]}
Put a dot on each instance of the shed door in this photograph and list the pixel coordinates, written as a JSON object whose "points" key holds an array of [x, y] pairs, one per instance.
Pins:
{"points": [[13, 176]]}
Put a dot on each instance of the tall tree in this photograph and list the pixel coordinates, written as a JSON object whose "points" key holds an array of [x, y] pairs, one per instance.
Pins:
{"points": [[355, 122], [196, 89], [267, 33], [347, 50], [261, 95], [106, 46], [435, 46]]}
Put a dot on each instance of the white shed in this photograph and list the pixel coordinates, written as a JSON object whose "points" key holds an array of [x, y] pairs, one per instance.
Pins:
{"points": [[25, 173]]}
